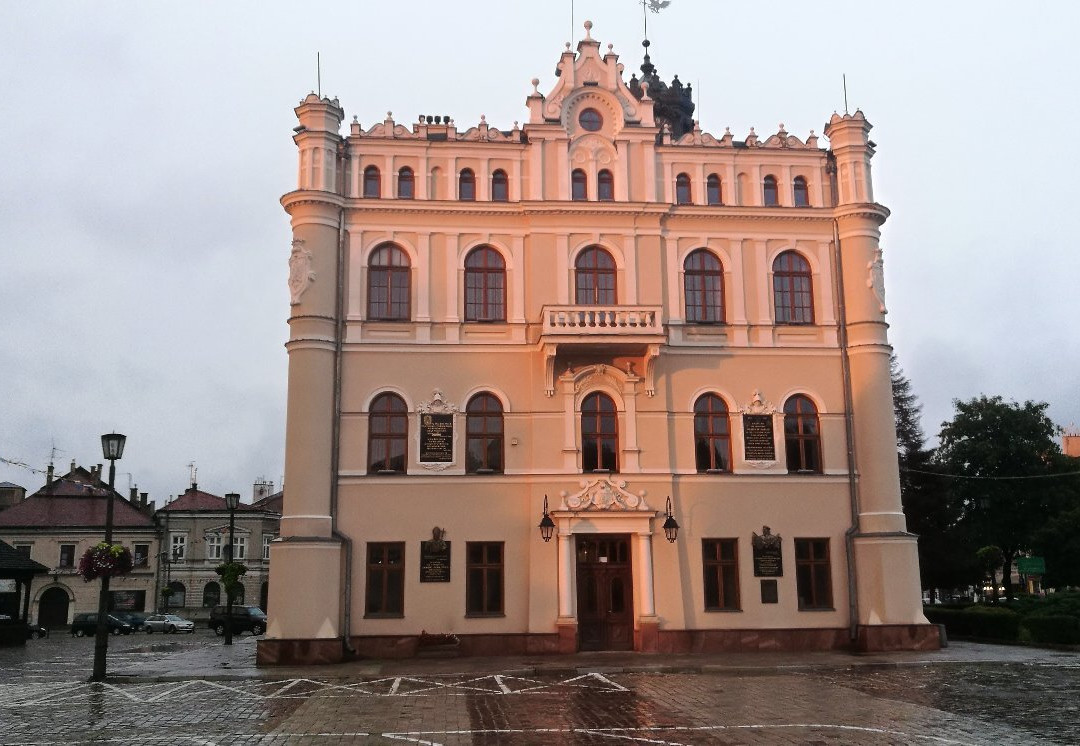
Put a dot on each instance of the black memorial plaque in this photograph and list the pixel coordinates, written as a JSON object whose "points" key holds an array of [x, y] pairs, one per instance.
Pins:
{"points": [[769, 594], [758, 442], [768, 559], [434, 562], [437, 438]]}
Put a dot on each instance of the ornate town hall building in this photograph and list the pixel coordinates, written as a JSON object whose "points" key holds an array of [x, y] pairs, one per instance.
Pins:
{"points": [[608, 322]]}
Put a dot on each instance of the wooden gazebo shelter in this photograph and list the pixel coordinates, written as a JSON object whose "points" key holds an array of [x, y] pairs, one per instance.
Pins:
{"points": [[14, 565]]}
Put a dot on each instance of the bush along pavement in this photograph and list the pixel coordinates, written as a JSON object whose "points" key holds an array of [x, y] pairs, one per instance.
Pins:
{"points": [[1051, 620]]}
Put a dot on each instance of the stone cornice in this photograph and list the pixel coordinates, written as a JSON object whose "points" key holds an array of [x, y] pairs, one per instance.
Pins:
{"points": [[863, 210], [302, 197]]}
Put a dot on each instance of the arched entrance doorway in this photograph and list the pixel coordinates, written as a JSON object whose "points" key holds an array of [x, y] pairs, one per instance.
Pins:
{"points": [[53, 608]]}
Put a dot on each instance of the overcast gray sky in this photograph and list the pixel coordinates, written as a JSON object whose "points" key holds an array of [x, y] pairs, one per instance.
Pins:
{"points": [[145, 147]]}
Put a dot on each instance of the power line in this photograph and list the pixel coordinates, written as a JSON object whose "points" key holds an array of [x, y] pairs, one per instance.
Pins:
{"points": [[966, 476]]}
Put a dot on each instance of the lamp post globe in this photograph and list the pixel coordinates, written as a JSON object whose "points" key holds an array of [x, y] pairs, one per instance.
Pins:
{"points": [[112, 448], [232, 500]]}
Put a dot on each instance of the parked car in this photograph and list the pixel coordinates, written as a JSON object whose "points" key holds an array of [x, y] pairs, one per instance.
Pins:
{"points": [[168, 624], [134, 618], [244, 619], [86, 624], [35, 631]]}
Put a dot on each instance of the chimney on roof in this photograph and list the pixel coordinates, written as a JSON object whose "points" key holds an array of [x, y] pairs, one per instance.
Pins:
{"points": [[133, 494], [94, 474], [49, 474], [73, 464], [194, 487], [142, 499]]}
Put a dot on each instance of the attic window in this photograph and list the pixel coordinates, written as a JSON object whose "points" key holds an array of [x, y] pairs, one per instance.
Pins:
{"points": [[590, 120]]}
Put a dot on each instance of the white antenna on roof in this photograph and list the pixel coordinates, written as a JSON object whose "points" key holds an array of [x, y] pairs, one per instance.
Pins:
{"points": [[192, 472], [318, 73], [845, 94]]}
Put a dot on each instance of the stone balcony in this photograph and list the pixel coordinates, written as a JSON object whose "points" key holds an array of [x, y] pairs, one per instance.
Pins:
{"points": [[645, 323]]}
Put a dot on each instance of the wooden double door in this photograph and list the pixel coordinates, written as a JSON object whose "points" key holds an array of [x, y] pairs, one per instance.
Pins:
{"points": [[605, 592]]}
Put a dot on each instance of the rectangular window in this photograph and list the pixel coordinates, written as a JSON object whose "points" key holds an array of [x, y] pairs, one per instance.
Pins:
{"points": [[142, 555], [67, 555], [266, 539], [24, 549], [484, 578], [813, 574], [240, 548], [721, 571], [385, 579], [214, 545], [178, 547]]}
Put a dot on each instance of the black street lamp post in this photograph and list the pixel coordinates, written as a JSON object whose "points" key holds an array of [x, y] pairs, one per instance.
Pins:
{"points": [[232, 499], [112, 445]]}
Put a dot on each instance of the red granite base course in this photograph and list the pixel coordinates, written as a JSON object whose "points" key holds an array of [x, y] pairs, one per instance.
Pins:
{"points": [[880, 639], [299, 652]]}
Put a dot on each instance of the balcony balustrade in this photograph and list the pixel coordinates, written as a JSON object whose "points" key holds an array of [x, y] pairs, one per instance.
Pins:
{"points": [[603, 321]]}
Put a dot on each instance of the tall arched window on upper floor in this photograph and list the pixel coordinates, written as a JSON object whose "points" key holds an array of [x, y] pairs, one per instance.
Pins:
{"points": [[599, 434], [500, 186], [388, 284], [579, 185], [703, 280], [770, 193], [713, 195], [793, 289], [436, 190], [484, 435], [802, 435], [485, 285], [467, 185], [405, 183], [388, 434], [605, 186], [594, 278], [372, 182], [712, 434], [800, 192], [683, 195]]}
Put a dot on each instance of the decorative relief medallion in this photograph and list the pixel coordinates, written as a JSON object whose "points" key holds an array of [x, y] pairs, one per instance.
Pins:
{"points": [[604, 494], [876, 279], [758, 405], [437, 405], [300, 273]]}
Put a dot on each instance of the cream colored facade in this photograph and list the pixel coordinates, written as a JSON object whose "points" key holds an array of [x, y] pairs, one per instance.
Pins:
{"points": [[646, 346]]}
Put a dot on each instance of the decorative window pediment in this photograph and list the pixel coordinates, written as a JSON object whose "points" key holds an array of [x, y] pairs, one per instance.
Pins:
{"points": [[604, 494]]}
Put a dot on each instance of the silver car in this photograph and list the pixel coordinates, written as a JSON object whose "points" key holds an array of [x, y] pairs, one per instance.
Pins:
{"points": [[168, 623]]}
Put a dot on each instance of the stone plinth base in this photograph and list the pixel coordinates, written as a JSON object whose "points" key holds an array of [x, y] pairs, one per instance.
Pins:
{"points": [[647, 635], [567, 638], [751, 640], [299, 652], [886, 637], [407, 646]]}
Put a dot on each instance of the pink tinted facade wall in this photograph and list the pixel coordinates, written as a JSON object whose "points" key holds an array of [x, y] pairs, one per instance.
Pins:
{"points": [[603, 310]]}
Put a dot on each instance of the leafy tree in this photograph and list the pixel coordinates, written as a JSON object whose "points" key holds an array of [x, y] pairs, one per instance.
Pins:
{"points": [[945, 559], [990, 558], [1058, 542], [996, 450]]}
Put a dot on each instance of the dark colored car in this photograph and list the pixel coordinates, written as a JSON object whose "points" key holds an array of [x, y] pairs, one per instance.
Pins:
{"points": [[33, 631], [244, 619], [86, 624], [135, 618]]}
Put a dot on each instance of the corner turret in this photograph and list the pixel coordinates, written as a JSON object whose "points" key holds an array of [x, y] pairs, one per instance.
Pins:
{"points": [[673, 104], [852, 148], [318, 139]]}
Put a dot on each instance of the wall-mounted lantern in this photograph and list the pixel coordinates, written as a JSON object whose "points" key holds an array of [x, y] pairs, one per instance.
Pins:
{"points": [[671, 526], [547, 526]]}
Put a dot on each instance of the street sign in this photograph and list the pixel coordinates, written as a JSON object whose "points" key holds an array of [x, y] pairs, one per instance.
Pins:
{"points": [[1031, 566]]}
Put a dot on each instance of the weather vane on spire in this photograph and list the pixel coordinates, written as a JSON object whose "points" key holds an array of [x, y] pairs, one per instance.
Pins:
{"points": [[655, 6]]}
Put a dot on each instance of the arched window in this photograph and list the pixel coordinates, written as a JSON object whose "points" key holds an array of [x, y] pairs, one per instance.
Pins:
{"points": [[712, 434], [388, 435], [500, 186], [178, 599], [801, 193], [594, 277], [712, 190], [405, 183], [211, 594], [579, 185], [372, 182], [237, 592], [770, 195], [435, 187], [388, 284], [605, 186], [793, 289], [599, 434], [682, 190], [485, 285], [703, 279], [802, 435], [483, 435], [467, 185]]}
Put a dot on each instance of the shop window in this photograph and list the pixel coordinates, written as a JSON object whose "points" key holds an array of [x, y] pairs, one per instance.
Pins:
{"points": [[721, 573], [484, 578], [484, 435], [793, 289], [385, 593], [372, 182], [594, 278], [802, 436], [485, 285], [388, 435], [599, 434], [813, 574], [388, 284], [712, 434], [703, 280]]}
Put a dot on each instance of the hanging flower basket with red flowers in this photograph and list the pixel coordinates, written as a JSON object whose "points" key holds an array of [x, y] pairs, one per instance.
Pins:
{"points": [[105, 560]]}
